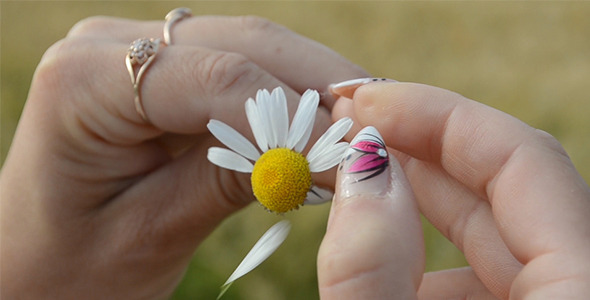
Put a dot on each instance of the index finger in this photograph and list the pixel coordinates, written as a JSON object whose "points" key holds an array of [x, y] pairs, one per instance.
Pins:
{"points": [[520, 170], [290, 57]]}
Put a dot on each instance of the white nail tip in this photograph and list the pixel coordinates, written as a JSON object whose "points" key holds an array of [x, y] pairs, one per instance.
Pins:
{"points": [[360, 81], [347, 88], [367, 131]]}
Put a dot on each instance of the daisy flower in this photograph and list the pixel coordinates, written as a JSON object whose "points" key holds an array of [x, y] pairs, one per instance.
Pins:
{"points": [[281, 174]]}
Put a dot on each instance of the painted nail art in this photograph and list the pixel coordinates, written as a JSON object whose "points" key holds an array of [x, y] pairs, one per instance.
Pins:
{"points": [[365, 166], [347, 88]]}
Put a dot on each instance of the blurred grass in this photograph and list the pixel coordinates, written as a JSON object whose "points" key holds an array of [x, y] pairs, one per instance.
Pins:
{"points": [[531, 60]]}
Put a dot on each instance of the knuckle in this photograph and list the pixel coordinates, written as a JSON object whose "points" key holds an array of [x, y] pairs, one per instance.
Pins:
{"points": [[52, 66], [61, 63], [222, 71], [254, 28], [547, 140], [89, 25], [63, 79], [255, 24], [545, 137], [50, 57], [345, 269]]}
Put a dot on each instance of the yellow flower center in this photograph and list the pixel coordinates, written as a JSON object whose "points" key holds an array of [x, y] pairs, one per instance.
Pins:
{"points": [[281, 179]]}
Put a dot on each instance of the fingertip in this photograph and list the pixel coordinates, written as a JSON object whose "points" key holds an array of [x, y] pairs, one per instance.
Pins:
{"points": [[373, 246], [411, 116], [347, 99]]}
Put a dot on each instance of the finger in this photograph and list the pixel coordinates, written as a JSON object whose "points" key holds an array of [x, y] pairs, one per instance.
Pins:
{"points": [[459, 214], [183, 88], [290, 57], [467, 221], [83, 93], [453, 284], [496, 156], [175, 207], [373, 247], [492, 153]]}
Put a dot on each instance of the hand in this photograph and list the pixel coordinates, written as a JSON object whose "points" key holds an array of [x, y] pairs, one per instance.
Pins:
{"points": [[96, 199], [505, 194]]}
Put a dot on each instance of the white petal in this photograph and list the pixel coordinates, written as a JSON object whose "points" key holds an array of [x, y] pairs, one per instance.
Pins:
{"points": [[263, 103], [331, 157], [303, 120], [304, 139], [266, 245], [318, 196], [233, 139], [256, 125], [280, 116], [230, 160], [330, 137]]}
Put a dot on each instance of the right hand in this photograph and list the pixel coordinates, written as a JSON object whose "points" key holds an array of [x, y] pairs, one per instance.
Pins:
{"points": [[507, 195]]}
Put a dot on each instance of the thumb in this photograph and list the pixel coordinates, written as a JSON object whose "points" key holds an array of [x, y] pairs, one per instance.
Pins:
{"points": [[373, 248]]}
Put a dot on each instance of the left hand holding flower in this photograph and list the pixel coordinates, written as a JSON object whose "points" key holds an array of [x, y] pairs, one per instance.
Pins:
{"points": [[96, 199]]}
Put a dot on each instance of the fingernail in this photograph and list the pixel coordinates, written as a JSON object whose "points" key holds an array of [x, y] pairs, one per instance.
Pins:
{"points": [[365, 168], [347, 88]]}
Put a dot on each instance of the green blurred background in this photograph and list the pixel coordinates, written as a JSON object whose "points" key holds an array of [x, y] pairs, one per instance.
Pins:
{"points": [[528, 59]]}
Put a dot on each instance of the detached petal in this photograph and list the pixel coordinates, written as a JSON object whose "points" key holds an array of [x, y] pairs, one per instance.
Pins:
{"points": [[230, 160], [266, 245], [233, 139]]}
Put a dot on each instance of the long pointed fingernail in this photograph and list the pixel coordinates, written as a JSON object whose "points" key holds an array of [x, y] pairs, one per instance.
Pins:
{"points": [[347, 88], [365, 168]]}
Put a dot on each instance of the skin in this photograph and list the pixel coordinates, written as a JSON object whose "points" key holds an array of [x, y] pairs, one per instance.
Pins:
{"points": [[97, 203], [506, 194]]}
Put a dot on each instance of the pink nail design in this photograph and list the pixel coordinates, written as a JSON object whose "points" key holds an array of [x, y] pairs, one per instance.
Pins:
{"points": [[373, 158]]}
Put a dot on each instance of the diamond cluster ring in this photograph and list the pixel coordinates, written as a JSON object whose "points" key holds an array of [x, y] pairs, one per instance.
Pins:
{"points": [[142, 53]]}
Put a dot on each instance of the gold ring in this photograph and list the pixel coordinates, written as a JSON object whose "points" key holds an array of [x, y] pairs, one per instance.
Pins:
{"points": [[142, 53], [172, 17], [140, 56]]}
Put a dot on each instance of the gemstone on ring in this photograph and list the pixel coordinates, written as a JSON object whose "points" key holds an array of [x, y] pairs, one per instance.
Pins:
{"points": [[142, 49], [140, 55]]}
